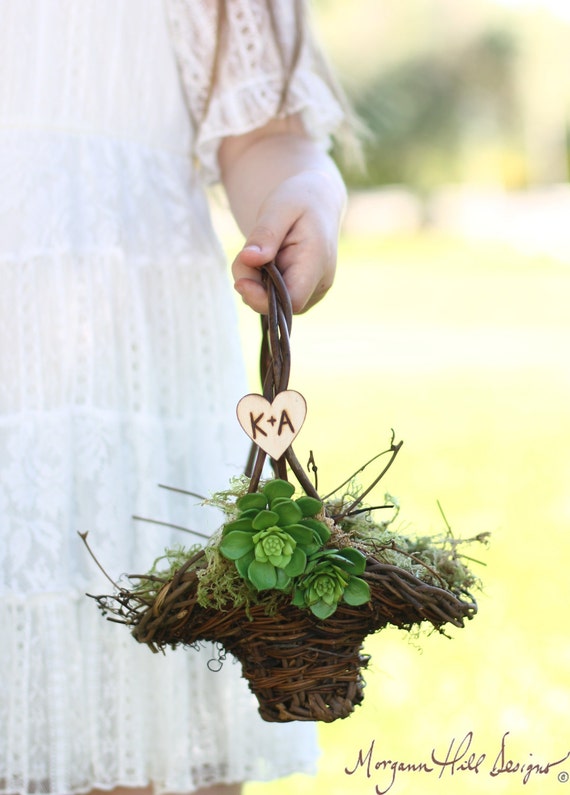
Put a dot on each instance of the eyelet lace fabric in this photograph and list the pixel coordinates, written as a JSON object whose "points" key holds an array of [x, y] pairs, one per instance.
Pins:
{"points": [[251, 52], [120, 369]]}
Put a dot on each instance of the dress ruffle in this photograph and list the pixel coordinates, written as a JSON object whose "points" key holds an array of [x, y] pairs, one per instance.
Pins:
{"points": [[249, 83], [251, 106]]}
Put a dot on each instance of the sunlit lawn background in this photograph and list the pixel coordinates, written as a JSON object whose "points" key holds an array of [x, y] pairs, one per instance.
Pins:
{"points": [[462, 349], [453, 330]]}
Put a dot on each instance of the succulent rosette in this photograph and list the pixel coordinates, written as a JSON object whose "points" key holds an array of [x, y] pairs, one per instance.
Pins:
{"points": [[276, 542], [273, 535], [331, 576]]}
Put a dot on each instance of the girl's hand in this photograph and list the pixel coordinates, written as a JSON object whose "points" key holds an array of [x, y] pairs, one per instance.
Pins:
{"points": [[288, 198], [297, 226]]}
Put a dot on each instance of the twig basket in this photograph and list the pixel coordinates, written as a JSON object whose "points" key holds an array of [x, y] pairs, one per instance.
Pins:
{"points": [[299, 666]]}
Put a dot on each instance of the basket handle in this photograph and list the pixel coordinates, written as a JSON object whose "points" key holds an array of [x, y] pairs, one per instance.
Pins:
{"points": [[275, 368]]}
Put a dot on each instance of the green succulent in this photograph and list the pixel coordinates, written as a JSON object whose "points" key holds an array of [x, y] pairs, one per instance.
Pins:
{"points": [[273, 535], [330, 577]]}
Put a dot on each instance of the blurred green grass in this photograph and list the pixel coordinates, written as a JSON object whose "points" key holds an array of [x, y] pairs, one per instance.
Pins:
{"points": [[462, 349]]}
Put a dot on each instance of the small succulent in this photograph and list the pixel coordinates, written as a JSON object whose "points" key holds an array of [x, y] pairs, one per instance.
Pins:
{"points": [[273, 535], [330, 577]]}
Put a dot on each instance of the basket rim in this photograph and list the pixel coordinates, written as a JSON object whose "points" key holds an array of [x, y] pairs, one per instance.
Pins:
{"points": [[176, 602]]}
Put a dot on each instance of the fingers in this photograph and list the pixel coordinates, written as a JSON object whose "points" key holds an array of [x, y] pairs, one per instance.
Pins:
{"points": [[307, 300], [301, 280], [307, 274], [302, 242], [262, 246], [307, 269], [246, 270]]}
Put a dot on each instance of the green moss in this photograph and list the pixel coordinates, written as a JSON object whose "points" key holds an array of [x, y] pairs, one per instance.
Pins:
{"points": [[226, 500]]}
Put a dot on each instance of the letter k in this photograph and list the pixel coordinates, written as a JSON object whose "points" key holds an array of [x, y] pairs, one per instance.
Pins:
{"points": [[255, 425]]}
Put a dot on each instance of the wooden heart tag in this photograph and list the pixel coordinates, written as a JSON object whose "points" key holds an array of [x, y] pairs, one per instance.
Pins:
{"points": [[272, 426]]}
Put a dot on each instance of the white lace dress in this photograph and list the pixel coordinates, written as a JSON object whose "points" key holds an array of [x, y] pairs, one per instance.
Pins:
{"points": [[120, 370]]}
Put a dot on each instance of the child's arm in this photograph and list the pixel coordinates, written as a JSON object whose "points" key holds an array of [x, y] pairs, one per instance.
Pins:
{"points": [[288, 199]]}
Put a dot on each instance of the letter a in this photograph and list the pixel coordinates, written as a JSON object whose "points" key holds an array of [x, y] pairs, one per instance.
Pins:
{"points": [[285, 421]]}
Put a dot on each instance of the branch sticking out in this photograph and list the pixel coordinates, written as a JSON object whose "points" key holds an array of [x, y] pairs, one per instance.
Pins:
{"points": [[83, 537], [393, 451]]}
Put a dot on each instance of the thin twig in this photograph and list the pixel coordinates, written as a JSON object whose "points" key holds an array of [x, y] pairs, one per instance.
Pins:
{"points": [[473, 560], [370, 509], [182, 491], [394, 450], [169, 524], [312, 467], [257, 469], [444, 517], [362, 468], [300, 474], [83, 537], [253, 448]]}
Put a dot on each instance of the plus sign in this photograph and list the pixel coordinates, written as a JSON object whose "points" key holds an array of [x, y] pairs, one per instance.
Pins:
{"points": [[272, 421]]}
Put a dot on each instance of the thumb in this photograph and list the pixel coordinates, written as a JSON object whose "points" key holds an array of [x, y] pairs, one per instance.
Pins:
{"points": [[261, 246]]}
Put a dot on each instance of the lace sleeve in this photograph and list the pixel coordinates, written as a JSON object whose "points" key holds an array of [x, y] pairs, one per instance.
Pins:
{"points": [[250, 78]]}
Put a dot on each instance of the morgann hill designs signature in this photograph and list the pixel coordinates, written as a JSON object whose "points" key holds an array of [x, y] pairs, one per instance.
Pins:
{"points": [[459, 759]]}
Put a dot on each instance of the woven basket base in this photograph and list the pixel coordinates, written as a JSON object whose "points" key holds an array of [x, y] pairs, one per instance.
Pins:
{"points": [[301, 670], [300, 667]]}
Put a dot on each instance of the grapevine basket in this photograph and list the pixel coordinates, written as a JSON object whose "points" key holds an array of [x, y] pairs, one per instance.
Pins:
{"points": [[299, 666]]}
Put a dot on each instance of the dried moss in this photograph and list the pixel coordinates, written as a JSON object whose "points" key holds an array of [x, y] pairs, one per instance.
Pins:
{"points": [[437, 560], [163, 570], [226, 499], [221, 587], [219, 583]]}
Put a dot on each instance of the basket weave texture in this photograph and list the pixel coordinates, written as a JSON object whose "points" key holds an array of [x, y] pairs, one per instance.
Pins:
{"points": [[299, 667]]}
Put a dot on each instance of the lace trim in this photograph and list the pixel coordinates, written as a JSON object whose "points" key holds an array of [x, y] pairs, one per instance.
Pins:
{"points": [[248, 88], [252, 106]]}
